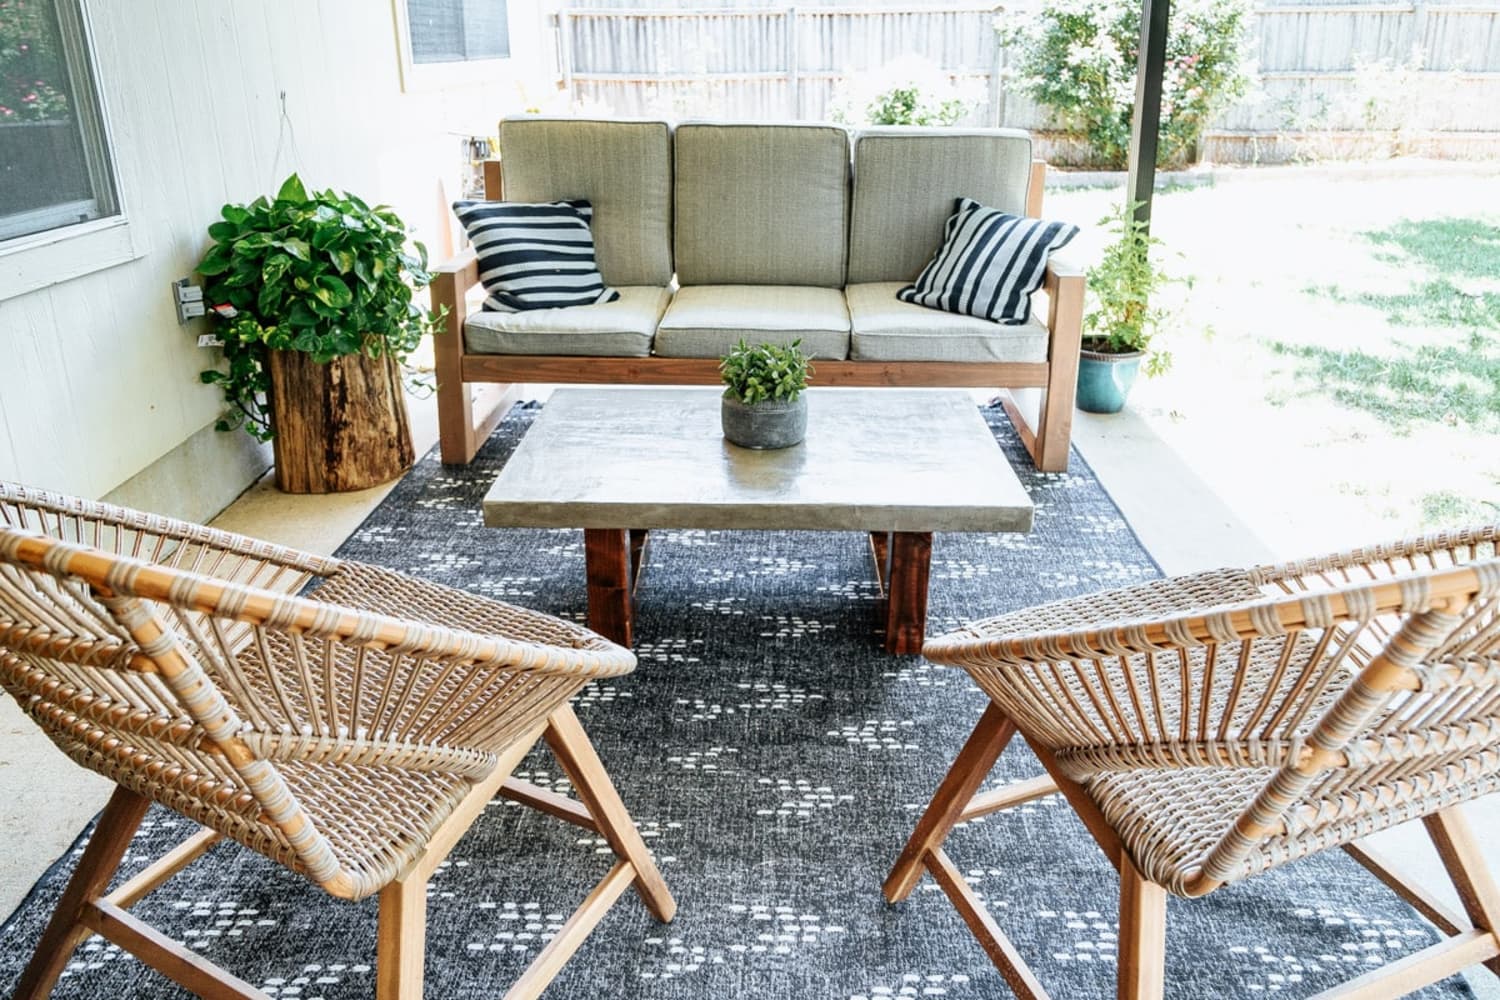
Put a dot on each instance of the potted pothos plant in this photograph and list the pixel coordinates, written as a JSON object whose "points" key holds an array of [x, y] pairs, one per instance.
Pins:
{"points": [[312, 296], [763, 405], [1124, 316]]}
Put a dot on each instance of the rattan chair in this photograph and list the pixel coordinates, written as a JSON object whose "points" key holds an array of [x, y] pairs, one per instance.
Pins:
{"points": [[352, 735], [1211, 727]]}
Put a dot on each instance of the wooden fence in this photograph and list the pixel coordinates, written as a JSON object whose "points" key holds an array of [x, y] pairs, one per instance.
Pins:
{"points": [[1376, 77]]}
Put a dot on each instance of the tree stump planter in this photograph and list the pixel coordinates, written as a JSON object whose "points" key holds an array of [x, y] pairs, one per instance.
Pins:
{"points": [[339, 426]]}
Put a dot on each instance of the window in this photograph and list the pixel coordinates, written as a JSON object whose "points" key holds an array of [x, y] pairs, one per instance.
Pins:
{"points": [[54, 165], [448, 31]]}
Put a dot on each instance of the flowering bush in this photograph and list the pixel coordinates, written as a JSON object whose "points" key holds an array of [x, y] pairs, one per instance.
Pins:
{"points": [[906, 91], [32, 73], [1077, 58]]}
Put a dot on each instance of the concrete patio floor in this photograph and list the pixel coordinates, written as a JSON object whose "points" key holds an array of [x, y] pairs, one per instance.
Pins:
{"points": [[45, 799]]}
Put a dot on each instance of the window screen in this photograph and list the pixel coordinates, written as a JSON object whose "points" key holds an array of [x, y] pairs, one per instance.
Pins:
{"points": [[54, 168], [457, 30]]}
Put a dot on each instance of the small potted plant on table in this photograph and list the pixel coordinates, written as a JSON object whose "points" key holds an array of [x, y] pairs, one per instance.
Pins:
{"points": [[763, 405], [312, 294], [1119, 328]]}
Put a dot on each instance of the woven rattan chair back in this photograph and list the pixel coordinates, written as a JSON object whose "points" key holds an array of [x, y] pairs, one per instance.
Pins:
{"points": [[1209, 728], [198, 692], [1348, 707], [322, 731]]}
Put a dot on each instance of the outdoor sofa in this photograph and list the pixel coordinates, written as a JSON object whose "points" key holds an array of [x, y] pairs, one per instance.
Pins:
{"points": [[712, 232]]}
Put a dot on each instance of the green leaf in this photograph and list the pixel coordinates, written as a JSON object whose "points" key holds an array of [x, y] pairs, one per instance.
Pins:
{"points": [[297, 248], [292, 190], [333, 292], [275, 268], [252, 241], [216, 261], [327, 236], [223, 230], [268, 299], [363, 273], [344, 260], [301, 316]]}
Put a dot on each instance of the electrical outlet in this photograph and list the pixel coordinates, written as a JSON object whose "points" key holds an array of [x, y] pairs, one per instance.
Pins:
{"points": [[188, 298]]}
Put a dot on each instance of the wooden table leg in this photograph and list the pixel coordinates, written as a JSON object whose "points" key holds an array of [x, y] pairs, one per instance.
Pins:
{"points": [[906, 591], [606, 559], [639, 539], [880, 548]]}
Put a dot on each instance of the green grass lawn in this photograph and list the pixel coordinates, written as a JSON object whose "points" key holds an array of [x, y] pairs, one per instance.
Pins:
{"points": [[1337, 374]]}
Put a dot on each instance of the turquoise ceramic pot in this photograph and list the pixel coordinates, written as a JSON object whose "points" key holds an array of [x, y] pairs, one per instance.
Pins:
{"points": [[1104, 380]]}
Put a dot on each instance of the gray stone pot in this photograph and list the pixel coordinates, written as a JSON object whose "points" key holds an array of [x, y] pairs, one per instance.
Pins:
{"points": [[768, 424]]}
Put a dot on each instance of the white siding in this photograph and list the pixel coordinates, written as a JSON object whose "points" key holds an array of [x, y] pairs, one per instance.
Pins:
{"points": [[97, 379]]}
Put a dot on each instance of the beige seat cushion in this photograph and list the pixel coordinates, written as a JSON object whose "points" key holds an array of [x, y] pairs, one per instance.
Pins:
{"points": [[705, 321], [887, 329], [619, 329], [905, 182], [761, 204], [623, 169]]}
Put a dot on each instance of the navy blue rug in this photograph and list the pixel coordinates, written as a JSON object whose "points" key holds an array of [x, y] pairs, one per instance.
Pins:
{"points": [[775, 760]]}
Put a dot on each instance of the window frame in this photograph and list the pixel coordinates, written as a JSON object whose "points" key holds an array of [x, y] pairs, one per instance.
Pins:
{"points": [[417, 76], [38, 260]]}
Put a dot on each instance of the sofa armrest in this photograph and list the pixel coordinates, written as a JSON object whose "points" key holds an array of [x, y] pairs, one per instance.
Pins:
{"points": [[461, 270], [1064, 284], [1060, 267], [1036, 183], [451, 281], [1049, 440]]}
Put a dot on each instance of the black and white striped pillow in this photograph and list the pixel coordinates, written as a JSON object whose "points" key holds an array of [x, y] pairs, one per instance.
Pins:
{"points": [[534, 256], [989, 264]]}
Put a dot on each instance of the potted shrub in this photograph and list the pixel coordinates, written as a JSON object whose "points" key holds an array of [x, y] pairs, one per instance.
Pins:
{"points": [[1124, 316], [763, 405], [312, 295]]}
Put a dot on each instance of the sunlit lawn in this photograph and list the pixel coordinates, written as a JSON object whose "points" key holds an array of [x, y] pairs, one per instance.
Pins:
{"points": [[1337, 375]]}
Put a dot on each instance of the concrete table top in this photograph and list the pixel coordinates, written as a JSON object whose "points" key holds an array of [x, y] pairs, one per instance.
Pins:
{"points": [[874, 460]]}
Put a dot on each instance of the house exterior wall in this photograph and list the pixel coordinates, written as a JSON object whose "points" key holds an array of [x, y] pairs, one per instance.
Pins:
{"points": [[98, 381]]}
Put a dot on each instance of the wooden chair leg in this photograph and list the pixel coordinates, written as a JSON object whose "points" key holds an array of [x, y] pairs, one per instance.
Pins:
{"points": [[401, 940], [66, 930], [968, 772], [1461, 856], [1143, 936], [550, 962], [576, 755]]}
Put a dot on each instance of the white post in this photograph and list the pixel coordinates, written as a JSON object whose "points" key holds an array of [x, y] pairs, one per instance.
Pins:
{"points": [[793, 63], [565, 51]]}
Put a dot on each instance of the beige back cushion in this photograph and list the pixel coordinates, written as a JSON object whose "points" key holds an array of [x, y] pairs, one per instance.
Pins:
{"points": [[761, 204], [624, 168], [905, 182]]}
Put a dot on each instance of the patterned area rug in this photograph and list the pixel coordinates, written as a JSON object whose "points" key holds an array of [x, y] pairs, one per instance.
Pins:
{"points": [[775, 760]]}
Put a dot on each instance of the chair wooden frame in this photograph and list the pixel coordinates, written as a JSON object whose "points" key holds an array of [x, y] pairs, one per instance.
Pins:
{"points": [[475, 390], [1405, 579], [86, 908], [1471, 937], [137, 643]]}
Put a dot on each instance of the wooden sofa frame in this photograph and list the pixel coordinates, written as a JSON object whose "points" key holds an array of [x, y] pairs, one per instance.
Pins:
{"points": [[468, 410]]}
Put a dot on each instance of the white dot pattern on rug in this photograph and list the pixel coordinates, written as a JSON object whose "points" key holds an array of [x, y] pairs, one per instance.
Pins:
{"points": [[774, 759]]}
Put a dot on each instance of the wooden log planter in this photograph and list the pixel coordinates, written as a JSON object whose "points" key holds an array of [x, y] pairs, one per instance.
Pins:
{"points": [[339, 426]]}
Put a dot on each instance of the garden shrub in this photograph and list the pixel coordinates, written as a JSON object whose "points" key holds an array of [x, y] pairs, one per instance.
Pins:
{"points": [[1077, 58], [905, 91]]}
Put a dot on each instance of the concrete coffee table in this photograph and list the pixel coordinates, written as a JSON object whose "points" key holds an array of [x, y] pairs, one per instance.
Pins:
{"points": [[896, 463]]}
